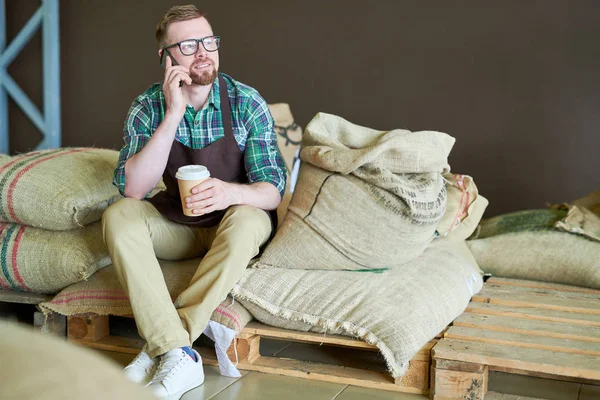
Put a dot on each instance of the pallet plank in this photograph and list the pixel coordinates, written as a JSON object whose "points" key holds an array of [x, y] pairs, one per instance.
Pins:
{"points": [[458, 366], [113, 343], [540, 285], [534, 313], [460, 381], [246, 350], [87, 327], [520, 340], [256, 328], [417, 375], [519, 359], [547, 301], [320, 372], [528, 327], [541, 291], [9, 296]]}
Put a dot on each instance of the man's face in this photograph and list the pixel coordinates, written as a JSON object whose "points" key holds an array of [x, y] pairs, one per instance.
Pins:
{"points": [[203, 66]]}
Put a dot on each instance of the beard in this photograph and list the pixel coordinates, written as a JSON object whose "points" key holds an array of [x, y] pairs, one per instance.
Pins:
{"points": [[203, 78]]}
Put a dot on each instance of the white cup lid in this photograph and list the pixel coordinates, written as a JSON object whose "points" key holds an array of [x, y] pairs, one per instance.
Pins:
{"points": [[192, 172]]}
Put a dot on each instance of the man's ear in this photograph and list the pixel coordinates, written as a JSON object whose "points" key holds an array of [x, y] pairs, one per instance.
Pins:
{"points": [[161, 58]]}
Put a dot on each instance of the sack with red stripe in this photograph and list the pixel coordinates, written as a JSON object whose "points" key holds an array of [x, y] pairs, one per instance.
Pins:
{"points": [[464, 207], [102, 294], [43, 261], [57, 189]]}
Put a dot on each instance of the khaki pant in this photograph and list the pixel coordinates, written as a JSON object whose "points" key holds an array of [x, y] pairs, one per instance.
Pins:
{"points": [[136, 234]]}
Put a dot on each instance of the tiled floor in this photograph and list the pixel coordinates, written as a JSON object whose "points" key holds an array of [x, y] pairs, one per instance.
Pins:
{"points": [[255, 385]]}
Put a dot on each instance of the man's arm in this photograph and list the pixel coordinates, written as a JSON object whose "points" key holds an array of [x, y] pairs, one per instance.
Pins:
{"points": [[214, 194], [260, 195], [144, 169]]}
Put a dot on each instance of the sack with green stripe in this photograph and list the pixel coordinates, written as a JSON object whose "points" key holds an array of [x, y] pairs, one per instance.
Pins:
{"points": [[57, 189], [560, 245], [43, 261]]}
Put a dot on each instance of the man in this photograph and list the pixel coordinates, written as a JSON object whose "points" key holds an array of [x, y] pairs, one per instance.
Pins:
{"points": [[197, 116]]}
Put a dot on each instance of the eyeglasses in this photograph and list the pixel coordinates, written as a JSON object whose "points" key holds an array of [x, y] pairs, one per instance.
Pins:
{"points": [[190, 47]]}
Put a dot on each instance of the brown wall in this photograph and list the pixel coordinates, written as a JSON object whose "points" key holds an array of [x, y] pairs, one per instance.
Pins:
{"points": [[515, 82]]}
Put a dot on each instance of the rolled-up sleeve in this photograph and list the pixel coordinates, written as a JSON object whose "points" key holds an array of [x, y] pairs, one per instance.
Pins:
{"points": [[136, 134], [262, 158]]}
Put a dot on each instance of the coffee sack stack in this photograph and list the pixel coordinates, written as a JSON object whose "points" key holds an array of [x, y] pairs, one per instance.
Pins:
{"points": [[51, 203]]}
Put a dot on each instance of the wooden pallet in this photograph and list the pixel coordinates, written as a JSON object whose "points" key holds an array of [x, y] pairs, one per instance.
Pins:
{"points": [[54, 324], [522, 327], [93, 331]]}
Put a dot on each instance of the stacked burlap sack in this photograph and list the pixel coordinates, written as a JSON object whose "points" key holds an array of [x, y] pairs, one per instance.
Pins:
{"points": [[560, 244], [360, 193], [50, 205], [372, 245], [83, 289]]}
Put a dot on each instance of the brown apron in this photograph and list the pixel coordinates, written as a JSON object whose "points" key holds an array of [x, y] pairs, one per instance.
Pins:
{"points": [[223, 159]]}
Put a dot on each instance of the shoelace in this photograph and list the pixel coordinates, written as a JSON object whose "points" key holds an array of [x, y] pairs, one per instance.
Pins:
{"points": [[142, 359], [167, 366]]}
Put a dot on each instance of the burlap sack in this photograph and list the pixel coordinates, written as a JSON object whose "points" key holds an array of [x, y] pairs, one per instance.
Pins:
{"points": [[591, 202], [42, 367], [464, 207], [283, 207], [57, 189], [102, 294], [580, 221], [398, 310], [42, 261], [289, 134], [528, 245], [364, 199], [289, 137]]}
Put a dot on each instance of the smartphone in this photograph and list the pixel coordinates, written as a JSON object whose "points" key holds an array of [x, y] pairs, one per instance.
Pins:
{"points": [[163, 62], [163, 58]]}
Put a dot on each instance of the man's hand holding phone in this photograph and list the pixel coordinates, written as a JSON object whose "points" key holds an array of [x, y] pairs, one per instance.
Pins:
{"points": [[174, 98]]}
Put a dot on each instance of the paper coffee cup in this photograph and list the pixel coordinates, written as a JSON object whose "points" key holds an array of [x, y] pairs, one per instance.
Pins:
{"points": [[189, 176]]}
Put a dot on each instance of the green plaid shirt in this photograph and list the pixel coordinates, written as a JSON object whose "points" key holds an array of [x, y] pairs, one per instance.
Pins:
{"points": [[252, 127]]}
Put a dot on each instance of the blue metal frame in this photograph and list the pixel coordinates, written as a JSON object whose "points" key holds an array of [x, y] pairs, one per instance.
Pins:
{"points": [[49, 122], [3, 97]]}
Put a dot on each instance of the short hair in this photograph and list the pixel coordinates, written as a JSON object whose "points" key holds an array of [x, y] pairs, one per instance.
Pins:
{"points": [[176, 14]]}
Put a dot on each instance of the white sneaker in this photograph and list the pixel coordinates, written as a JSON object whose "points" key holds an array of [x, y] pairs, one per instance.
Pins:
{"points": [[142, 368], [176, 374]]}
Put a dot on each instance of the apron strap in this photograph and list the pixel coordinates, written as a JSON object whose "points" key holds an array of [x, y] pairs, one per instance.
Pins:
{"points": [[228, 127], [225, 108]]}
